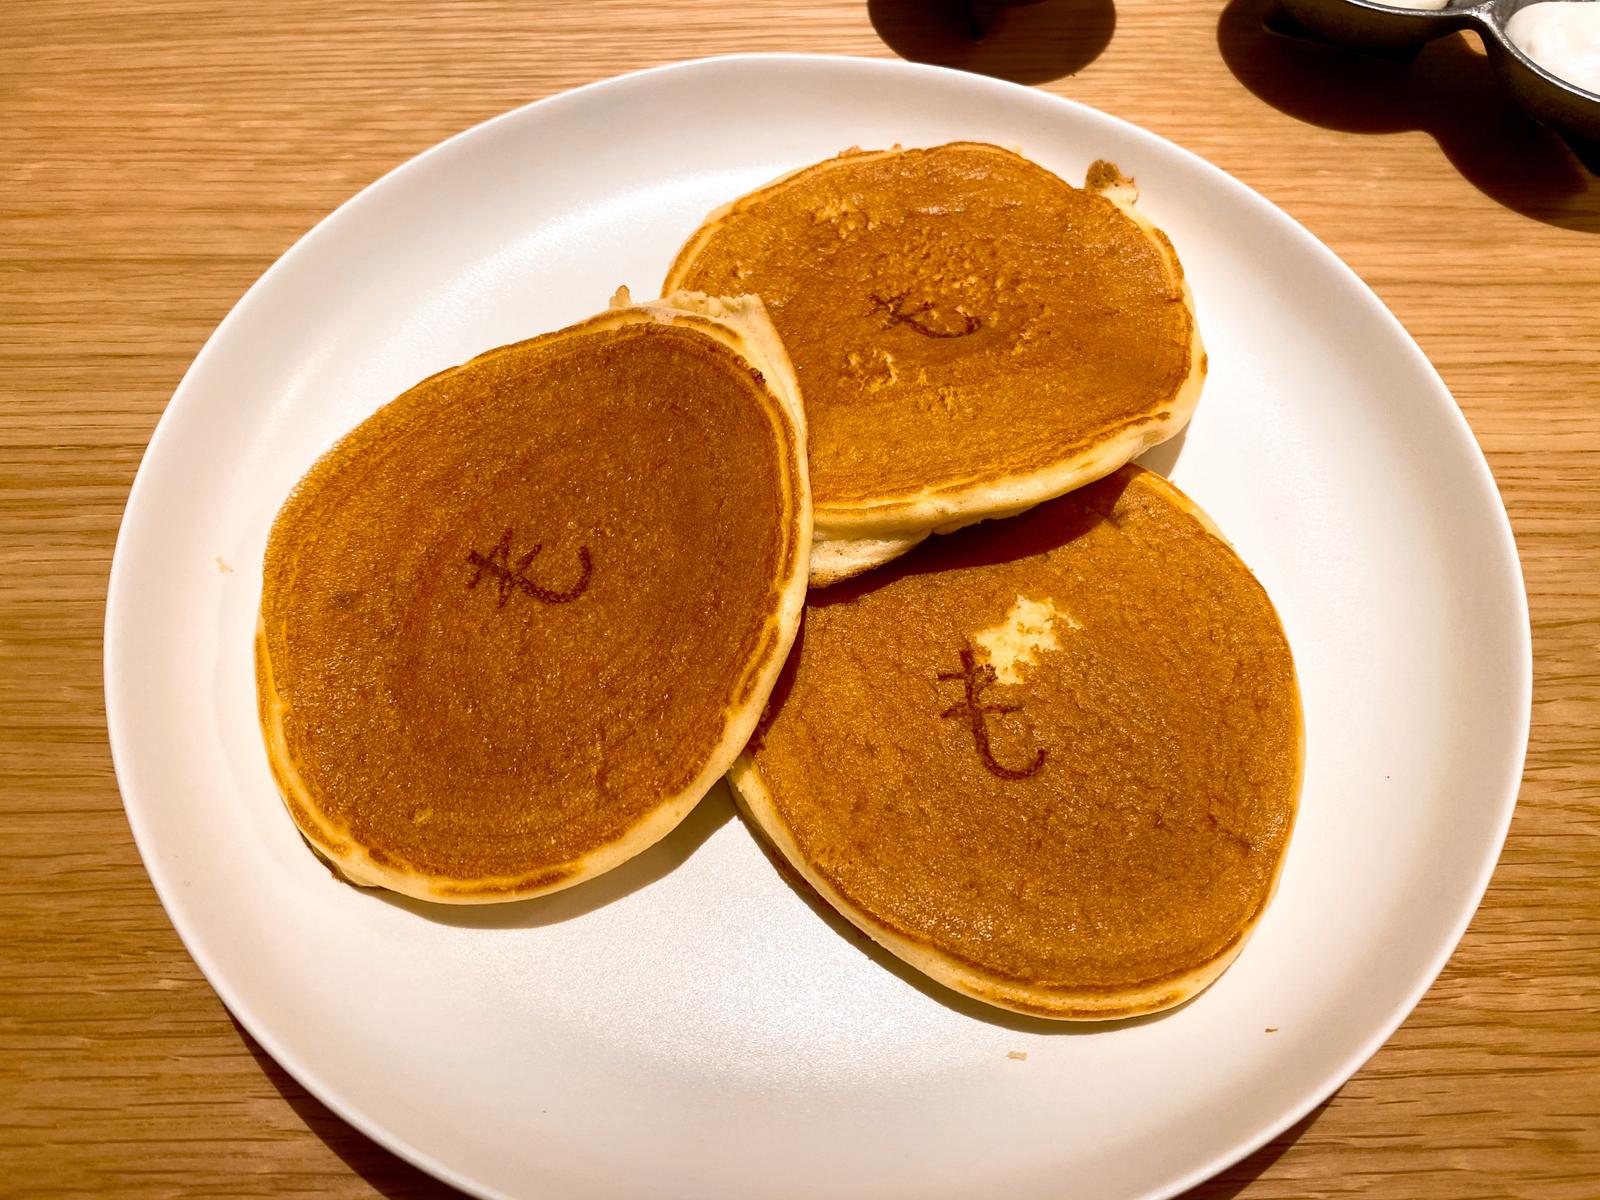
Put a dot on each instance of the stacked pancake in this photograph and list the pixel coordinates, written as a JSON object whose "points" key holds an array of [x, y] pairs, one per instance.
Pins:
{"points": [[516, 623], [1053, 763], [972, 335]]}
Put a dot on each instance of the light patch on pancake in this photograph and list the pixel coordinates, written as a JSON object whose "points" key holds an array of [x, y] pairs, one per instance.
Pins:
{"points": [[845, 215], [1028, 630], [875, 370], [1022, 336]]}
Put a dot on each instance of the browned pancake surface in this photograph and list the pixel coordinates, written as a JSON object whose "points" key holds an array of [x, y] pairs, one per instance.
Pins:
{"points": [[509, 612], [1115, 818], [954, 315]]}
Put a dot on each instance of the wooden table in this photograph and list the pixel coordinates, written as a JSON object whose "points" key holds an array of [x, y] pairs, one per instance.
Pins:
{"points": [[156, 156]]}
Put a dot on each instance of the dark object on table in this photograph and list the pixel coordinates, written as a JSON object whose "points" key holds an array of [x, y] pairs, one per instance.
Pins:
{"points": [[1030, 42], [981, 13], [1398, 33]]}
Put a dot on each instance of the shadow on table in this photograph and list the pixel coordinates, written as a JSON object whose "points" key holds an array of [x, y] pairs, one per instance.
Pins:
{"points": [[1234, 1180], [1031, 44], [386, 1172], [1448, 91]]}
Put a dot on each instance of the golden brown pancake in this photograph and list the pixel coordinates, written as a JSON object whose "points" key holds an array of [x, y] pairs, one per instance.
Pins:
{"points": [[1053, 763], [516, 623], [971, 333]]}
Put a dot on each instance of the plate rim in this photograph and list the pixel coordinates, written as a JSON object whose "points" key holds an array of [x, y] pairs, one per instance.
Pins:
{"points": [[1509, 564]]}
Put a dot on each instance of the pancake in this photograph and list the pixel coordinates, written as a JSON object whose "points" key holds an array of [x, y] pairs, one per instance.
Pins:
{"points": [[971, 333], [516, 623], [1052, 763]]}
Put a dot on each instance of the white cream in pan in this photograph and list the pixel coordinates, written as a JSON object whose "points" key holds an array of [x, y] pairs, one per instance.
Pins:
{"points": [[1563, 37]]}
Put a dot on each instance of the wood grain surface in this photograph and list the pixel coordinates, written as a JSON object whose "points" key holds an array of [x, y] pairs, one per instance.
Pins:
{"points": [[156, 157]]}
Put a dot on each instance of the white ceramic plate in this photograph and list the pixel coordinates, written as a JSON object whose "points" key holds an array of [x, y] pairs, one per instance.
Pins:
{"points": [[688, 1026]]}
